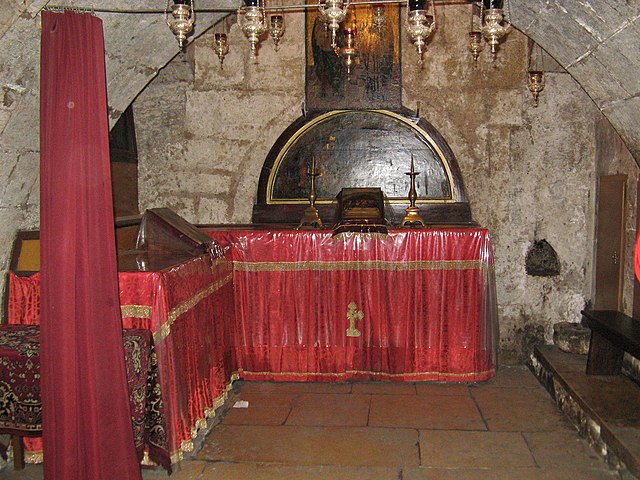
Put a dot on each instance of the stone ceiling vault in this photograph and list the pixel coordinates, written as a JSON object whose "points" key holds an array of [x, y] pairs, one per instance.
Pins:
{"points": [[595, 41]]}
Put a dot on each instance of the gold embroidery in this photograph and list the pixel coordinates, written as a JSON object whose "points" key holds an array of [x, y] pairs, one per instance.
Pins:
{"points": [[165, 329], [353, 314], [386, 265], [364, 235], [367, 372], [135, 311]]}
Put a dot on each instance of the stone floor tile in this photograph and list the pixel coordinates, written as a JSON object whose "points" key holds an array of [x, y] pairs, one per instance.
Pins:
{"points": [[330, 410], [275, 399], [185, 470], [292, 387], [526, 473], [516, 376], [253, 471], [515, 410], [558, 450], [392, 447], [452, 412], [458, 449], [442, 389], [384, 388], [30, 472], [256, 415]]}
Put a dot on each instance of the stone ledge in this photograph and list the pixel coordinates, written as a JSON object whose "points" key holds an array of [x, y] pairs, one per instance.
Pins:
{"points": [[604, 409]]}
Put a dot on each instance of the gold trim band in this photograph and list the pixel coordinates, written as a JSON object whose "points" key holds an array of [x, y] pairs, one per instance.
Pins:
{"points": [[366, 372], [135, 311], [385, 265], [165, 329]]}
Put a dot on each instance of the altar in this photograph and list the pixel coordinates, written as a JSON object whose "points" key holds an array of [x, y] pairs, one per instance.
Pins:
{"points": [[289, 305], [412, 305]]}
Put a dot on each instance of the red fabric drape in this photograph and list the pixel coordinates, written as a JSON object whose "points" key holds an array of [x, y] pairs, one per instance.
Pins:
{"points": [[422, 301], [636, 258], [86, 415]]}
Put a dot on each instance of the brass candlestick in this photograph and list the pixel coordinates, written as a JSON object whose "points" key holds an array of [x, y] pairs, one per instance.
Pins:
{"points": [[311, 217], [413, 218]]}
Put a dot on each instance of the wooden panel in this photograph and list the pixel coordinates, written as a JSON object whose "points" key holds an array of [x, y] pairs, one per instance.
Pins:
{"points": [[25, 255], [610, 221], [124, 183]]}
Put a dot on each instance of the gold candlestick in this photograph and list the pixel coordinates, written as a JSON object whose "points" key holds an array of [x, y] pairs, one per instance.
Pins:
{"points": [[311, 217], [412, 219]]}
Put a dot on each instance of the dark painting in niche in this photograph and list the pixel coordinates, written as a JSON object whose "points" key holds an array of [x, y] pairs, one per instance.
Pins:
{"points": [[375, 79], [360, 149]]}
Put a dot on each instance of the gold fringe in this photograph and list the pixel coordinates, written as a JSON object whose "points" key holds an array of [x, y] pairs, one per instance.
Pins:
{"points": [[366, 372], [187, 446], [33, 457], [385, 265], [365, 235]]}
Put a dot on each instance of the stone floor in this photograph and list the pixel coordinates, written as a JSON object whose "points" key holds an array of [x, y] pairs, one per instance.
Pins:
{"points": [[508, 428]]}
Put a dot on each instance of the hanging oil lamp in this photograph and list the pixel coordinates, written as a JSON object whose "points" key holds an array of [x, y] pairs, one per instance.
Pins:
{"points": [[181, 20], [333, 13], [420, 26], [493, 28], [536, 85], [253, 24], [277, 29], [220, 46]]}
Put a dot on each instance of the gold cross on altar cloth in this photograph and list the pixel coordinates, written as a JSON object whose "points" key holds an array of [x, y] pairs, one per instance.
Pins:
{"points": [[353, 314]]}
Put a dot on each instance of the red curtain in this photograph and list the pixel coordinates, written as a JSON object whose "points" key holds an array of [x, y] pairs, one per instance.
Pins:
{"points": [[86, 416]]}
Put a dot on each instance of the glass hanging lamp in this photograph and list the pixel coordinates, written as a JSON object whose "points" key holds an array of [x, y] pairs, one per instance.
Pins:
{"points": [[181, 20], [333, 13], [253, 24], [276, 29], [420, 25]]}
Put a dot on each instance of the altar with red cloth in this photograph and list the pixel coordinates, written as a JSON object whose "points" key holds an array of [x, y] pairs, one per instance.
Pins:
{"points": [[289, 305], [413, 305], [187, 304]]}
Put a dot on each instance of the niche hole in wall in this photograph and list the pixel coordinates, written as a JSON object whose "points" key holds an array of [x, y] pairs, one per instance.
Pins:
{"points": [[542, 260]]}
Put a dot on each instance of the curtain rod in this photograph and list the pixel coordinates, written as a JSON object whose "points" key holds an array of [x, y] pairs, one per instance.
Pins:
{"points": [[302, 6]]}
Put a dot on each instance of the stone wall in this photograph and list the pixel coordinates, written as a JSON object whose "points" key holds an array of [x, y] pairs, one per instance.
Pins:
{"points": [[530, 172], [203, 132]]}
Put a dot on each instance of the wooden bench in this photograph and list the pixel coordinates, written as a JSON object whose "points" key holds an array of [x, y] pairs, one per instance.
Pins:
{"points": [[612, 334]]}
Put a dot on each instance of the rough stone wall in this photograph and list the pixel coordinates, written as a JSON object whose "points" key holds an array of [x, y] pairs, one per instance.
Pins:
{"points": [[19, 141], [204, 132], [529, 172]]}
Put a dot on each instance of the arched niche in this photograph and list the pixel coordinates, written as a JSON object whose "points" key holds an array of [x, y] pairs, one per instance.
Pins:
{"points": [[361, 148]]}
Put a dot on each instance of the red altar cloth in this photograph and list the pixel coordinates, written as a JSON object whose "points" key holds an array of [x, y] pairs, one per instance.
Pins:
{"points": [[189, 309], [413, 305]]}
